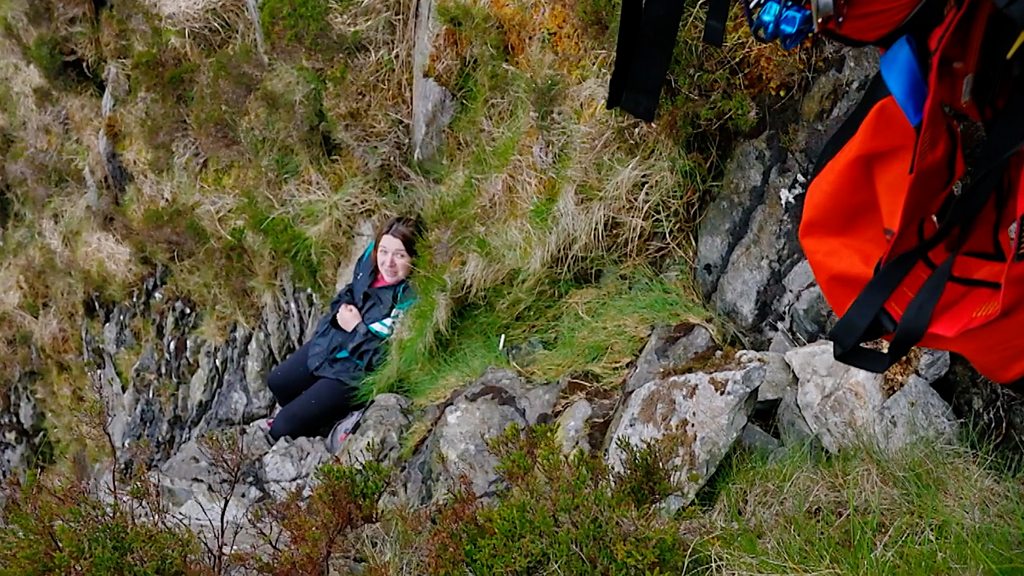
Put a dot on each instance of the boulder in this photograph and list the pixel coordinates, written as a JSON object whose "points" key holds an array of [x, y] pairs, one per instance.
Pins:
{"points": [[760, 260], [726, 221], [749, 263], [226, 462], [846, 406], [839, 403], [914, 413], [779, 379], [669, 347], [793, 428], [756, 439], [699, 415], [457, 446], [290, 465], [378, 436]]}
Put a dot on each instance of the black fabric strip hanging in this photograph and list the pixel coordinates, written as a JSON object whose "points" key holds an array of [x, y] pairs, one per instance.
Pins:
{"points": [[714, 26], [647, 37]]}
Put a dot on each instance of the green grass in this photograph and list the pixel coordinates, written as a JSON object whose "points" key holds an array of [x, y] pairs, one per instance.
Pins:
{"points": [[44, 53], [588, 329], [304, 26], [927, 510], [288, 242]]}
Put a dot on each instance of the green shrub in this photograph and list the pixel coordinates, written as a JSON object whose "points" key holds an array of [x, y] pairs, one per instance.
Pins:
{"points": [[318, 527], [60, 528], [558, 515], [44, 53]]}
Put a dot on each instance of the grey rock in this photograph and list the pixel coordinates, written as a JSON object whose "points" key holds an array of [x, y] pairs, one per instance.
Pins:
{"points": [[767, 252], [290, 465], [726, 220], [835, 93], [572, 427], [539, 401], [433, 107], [258, 362], [183, 385], [112, 392], [699, 414], [805, 315], [756, 439], [915, 413], [847, 406], [779, 379], [932, 365], [116, 86], [379, 435], [226, 463], [793, 428], [293, 459], [458, 444], [748, 258], [201, 385], [213, 517], [669, 347], [21, 426], [839, 402]]}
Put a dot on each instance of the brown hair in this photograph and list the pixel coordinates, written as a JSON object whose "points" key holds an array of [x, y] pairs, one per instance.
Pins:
{"points": [[408, 229]]}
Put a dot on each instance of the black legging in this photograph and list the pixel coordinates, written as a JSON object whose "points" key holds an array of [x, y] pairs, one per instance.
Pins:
{"points": [[309, 404]]}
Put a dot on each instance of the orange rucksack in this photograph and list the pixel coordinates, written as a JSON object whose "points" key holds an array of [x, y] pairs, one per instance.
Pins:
{"points": [[905, 241]]}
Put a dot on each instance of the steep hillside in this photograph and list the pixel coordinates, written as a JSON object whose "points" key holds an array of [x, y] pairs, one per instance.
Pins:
{"points": [[141, 134]]}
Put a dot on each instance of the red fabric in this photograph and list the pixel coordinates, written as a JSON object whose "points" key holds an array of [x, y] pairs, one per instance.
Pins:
{"points": [[868, 21], [878, 194], [379, 282]]}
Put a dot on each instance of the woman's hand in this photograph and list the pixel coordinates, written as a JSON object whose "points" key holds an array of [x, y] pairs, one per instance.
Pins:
{"points": [[348, 317]]}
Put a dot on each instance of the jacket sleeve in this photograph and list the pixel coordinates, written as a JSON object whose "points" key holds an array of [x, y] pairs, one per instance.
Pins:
{"points": [[347, 294]]}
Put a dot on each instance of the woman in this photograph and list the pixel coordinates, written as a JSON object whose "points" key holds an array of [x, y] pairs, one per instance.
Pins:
{"points": [[319, 384]]}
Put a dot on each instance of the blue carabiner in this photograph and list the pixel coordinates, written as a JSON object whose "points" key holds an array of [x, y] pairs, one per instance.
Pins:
{"points": [[782, 20]]}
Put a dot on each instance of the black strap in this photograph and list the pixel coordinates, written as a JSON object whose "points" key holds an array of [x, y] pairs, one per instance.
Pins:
{"points": [[630, 18], [909, 332], [647, 38], [875, 92], [1006, 134], [714, 25]]}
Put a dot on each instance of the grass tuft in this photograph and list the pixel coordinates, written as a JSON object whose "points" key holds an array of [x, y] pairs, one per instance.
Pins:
{"points": [[928, 510]]}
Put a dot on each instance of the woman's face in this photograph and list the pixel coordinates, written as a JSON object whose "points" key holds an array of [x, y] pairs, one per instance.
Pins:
{"points": [[393, 262]]}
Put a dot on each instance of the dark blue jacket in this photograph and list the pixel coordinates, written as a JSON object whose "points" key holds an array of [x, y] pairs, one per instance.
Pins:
{"points": [[349, 356]]}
